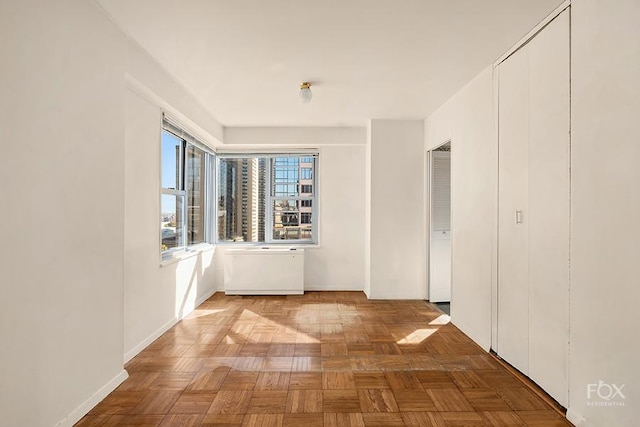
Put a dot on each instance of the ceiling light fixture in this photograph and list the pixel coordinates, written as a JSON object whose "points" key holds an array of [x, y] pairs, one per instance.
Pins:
{"points": [[305, 92]]}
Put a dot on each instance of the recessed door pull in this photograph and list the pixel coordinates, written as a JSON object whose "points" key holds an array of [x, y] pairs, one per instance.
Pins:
{"points": [[518, 217]]}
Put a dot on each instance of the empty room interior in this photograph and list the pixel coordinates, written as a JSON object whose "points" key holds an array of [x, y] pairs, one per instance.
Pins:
{"points": [[330, 213]]}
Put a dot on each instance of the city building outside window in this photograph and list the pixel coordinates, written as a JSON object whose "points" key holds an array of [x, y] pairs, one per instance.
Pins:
{"points": [[266, 198]]}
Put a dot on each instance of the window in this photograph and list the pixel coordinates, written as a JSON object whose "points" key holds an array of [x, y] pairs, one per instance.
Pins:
{"points": [[241, 199], [261, 198], [173, 194], [196, 196], [186, 175]]}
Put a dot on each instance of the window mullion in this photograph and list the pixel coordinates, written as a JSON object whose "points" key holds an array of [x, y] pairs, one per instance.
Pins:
{"points": [[183, 224], [187, 173], [269, 212], [314, 198], [211, 194], [181, 165]]}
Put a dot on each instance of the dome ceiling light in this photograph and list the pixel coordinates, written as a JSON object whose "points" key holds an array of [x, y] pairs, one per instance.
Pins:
{"points": [[305, 92]]}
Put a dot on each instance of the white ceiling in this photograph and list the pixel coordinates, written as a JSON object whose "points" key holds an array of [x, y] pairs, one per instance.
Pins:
{"points": [[384, 59]]}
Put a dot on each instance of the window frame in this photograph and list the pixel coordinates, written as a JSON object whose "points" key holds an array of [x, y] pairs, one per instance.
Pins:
{"points": [[179, 192], [270, 198], [182, 190]]}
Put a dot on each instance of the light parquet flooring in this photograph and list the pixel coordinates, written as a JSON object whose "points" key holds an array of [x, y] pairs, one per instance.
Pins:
{"points": [[325, 359]]}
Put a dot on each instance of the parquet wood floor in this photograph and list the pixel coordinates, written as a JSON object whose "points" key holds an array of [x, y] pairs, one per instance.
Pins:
{"points": [[325, 359]]}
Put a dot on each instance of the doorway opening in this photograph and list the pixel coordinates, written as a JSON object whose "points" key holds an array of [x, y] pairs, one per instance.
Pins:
{"points": [[439, 240]]}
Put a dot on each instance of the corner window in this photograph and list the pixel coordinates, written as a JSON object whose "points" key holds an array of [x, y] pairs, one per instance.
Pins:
{"points": [[262, 199], [186, 181]]}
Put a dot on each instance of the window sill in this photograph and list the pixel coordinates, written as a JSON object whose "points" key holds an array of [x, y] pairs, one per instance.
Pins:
{"points": [[186, 254], [246, 245]]}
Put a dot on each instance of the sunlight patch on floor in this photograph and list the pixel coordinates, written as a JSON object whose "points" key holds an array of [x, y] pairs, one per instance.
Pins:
{"points": [[443, 319], [204, 312], [417, 336]]}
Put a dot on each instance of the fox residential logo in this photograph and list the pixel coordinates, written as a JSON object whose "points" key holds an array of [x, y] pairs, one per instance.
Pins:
{"points": [[605, 394]]}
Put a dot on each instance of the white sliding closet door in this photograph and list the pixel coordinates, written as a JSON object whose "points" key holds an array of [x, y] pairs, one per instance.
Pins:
{"points": [[533, 224], [513, 275], [549, 208]]}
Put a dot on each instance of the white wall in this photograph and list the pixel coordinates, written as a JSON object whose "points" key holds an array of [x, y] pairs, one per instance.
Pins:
{"points": [[397, 260], [62, 169], [337, 263], [467, 120], [66, 317], [605, 206], [300, 136], [164, 91]]}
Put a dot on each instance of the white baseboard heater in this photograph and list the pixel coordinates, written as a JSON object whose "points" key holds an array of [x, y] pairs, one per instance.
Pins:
{"points": [[264, 271]]}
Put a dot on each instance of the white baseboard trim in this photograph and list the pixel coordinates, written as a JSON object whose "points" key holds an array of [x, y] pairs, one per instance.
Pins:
{"points": [[164, 328], [91, 402], [483, 342], [332, 288], [575, 418], [394, 297], [151, 338], [205, 297], [263, 292]]}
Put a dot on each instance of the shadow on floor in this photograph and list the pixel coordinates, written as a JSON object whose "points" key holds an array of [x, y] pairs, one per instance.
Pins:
{"points": [[444, 306]]}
